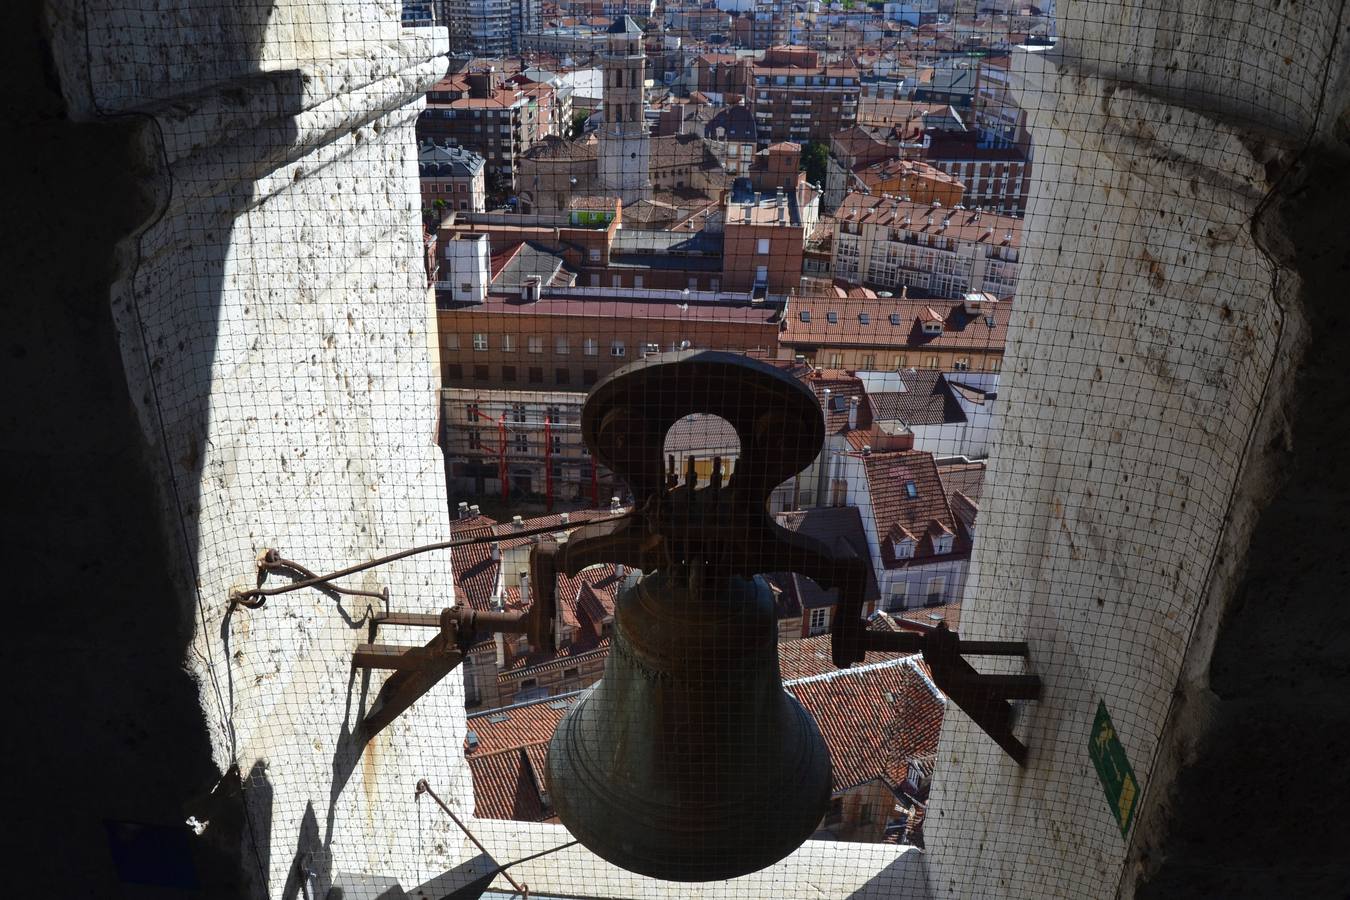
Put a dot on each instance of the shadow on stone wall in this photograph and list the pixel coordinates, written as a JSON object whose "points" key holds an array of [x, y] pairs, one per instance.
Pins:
{"points": [[109, 752]]}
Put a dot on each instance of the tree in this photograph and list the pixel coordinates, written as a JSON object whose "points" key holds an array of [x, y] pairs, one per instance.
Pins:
{"points": [[578, 123], [814, 157]]}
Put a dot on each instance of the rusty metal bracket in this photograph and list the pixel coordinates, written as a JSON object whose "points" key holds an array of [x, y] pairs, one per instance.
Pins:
{"points": [[418, 669], [982, 697]]}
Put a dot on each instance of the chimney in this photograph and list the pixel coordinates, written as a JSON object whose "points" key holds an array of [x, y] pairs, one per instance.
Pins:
{"points": [[867, 449], [503, 651], [853, 403], [471, 741], [631, 579], [613, 504], [564, 519], [463, 509], [524, 576], [517, 522], [532, 289], [904, 292], [474, 511], [496, 551]]}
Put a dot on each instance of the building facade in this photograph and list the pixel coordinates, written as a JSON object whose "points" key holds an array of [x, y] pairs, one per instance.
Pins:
{"points": [[894, 244], [797, 98], [452, 175]]}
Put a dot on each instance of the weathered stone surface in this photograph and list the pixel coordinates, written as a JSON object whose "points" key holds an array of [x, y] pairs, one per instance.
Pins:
{"points": [[1150, 335]]}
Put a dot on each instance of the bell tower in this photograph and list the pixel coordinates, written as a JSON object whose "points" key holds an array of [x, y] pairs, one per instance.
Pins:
{"points": [[625, 146]]}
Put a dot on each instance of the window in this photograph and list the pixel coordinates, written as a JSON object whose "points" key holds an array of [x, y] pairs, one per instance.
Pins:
{"points": [[522, 442], [454, 372], [562, 376], [638, 282], [900, 361], [911, 490], [937, 590], [590, 347], [832, 318], [899, 593], [450, 341], [616, 348], [475, 440], [903, 548], [555, 443], [993, 363], [930, 362], [508, 342], [932, 328], [508, 373], [763, 246], [869, 361], [536, 375], [864, 319], [942, 543], [534, 344], [962, 364], [560, 345], [479, 341], [820, 619], [480, 373], [471, 413], [836, 361], [518, 413], [616, 281], [554, 414], [804, 315], [649, 348]]}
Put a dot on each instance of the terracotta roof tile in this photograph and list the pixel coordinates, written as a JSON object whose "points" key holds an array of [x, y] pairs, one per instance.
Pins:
{"points": [[874, 718], [506, 786], [921, 511]]}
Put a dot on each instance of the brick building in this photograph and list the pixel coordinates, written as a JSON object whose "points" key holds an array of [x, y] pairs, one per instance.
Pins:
{"points": [[997, 175], [481, 112], [797, 98], [453, 175]]}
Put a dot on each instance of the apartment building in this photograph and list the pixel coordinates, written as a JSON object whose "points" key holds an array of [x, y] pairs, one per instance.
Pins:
{"points": [[892, 333], [997, 175], [481, 112], [797, 98], [452, 175], [894, 244], [489, 28]]}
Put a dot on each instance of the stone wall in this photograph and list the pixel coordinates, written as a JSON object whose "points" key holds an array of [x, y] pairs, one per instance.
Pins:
{"points": [[1152, 348], [271, 313]]}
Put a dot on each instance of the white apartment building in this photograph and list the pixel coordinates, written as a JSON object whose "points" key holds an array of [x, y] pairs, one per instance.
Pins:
{"points": [[895, 244]]}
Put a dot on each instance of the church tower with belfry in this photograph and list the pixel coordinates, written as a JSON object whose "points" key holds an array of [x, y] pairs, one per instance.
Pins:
{"points": [[624, 144]]}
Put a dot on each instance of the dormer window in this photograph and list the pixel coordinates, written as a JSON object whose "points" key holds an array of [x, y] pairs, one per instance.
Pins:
{"points": [[864, 319], [904, 548], [895, 318], [932, 328], [942, 543]]}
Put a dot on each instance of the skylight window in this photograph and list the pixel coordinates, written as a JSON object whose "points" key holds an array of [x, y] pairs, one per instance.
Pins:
{"points": [[895, 318], [832, 318], [804, 315], [911, 489], [864, 319]]}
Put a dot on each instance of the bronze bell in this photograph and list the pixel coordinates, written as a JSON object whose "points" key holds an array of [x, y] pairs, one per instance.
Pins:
{"points": [[688, 761]]}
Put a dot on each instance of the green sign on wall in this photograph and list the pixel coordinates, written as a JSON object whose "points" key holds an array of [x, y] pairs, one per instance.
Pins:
{"points": [[1122, 790]]}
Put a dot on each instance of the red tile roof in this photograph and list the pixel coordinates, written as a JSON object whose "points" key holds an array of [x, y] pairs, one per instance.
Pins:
{"points": [[896, 514], [810, 656], [507, 786], [874, 718]]}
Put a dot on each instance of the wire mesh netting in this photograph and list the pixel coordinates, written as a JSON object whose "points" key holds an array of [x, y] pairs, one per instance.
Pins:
{"points": [[817, 424]]}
